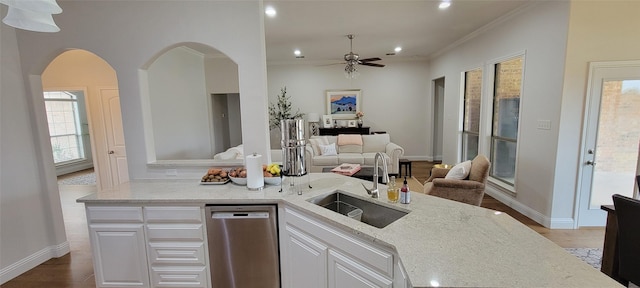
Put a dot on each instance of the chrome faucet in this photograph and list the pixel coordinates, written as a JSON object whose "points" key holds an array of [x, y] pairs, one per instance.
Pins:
{"points": [[385, 176]]}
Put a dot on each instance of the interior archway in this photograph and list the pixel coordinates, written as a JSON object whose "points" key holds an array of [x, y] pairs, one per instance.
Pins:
{"points": [[81, 70], [191, 94]]}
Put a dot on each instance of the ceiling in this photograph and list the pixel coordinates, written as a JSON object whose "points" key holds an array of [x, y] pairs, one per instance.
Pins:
{"points": [[319, 27]]}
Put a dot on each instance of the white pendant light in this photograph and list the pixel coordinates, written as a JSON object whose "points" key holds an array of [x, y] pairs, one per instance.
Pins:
{"points": [[29, 20], [42, 6]]}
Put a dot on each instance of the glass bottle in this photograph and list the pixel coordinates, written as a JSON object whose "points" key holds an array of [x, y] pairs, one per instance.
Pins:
{"points": [[392, 191]]}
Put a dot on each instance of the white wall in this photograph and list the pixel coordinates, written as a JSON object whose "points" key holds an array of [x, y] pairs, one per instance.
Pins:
{"points": [[540, 30], [85, 25], [599, 31], [31, 224], [177, 88], [222, 75], [394, 98]]}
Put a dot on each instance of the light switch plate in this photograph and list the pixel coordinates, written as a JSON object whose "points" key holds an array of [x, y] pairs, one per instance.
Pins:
{"points": [[544, 124]]}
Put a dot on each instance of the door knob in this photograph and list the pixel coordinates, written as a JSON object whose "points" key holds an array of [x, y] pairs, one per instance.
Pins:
{"points": [[589, 162], [112, 152]]}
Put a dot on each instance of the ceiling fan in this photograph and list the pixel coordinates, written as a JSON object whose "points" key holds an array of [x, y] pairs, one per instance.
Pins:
{"points": [[352, 60]]}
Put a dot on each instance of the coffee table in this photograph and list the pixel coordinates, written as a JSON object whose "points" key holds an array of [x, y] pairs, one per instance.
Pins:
{"points": [[365, 173]]}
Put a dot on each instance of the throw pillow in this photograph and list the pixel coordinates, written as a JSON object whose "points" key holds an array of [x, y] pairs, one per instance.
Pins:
{"points": [[316, 142], [328, 150], [227, 155], [460, 171]]}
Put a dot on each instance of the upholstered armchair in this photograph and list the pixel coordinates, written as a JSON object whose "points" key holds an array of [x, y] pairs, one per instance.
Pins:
{"points": [[469, 190]]}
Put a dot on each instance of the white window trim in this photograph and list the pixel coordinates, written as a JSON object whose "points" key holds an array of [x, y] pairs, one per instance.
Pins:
{"points": [[486, 118]]}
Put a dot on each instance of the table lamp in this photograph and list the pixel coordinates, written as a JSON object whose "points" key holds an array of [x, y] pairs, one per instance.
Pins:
{"points": [[313, 119]]}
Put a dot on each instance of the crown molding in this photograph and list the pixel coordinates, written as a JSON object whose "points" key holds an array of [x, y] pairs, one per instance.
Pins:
{"points": [[485, 28]]}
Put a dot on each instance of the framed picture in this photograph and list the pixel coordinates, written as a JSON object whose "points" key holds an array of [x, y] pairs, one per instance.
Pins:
{"points": [[351, 123], [327, 121], [343, 104]]}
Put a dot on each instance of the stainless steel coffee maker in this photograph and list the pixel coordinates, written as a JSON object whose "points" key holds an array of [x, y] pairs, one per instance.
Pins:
{"points": [[293, 150]]}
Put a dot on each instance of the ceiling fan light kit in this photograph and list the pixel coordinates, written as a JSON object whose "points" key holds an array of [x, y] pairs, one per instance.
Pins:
{"points": [[353, 59], [32, 15]]}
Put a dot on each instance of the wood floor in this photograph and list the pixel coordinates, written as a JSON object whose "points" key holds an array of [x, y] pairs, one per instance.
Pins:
{"points": [[75, 269]]}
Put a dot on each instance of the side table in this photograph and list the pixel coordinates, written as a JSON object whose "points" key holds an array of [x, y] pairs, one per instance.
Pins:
{"points": [[406, 163]]}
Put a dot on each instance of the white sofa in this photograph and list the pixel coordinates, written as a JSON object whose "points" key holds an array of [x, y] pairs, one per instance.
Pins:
{"points": [[237, 154], [363, 154]]}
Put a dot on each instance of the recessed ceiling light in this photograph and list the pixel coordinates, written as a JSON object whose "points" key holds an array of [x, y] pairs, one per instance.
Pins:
{"points": [[297, 52], [270, 11], [398, 49], [444, 5]]}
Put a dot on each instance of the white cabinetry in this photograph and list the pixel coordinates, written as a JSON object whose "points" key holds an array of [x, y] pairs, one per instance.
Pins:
{"points": [[347, 272], [148, 247], [306, 260], [319, 255], [118, 246], [175, 237]]}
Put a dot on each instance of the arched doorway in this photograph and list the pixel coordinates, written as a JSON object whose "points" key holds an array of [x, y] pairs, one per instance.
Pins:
{"points": [[82, 74]]}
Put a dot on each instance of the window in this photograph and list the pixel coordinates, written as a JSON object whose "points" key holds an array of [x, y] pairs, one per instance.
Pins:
{"points": [[64, 125], [471, 116], [506, 110]]}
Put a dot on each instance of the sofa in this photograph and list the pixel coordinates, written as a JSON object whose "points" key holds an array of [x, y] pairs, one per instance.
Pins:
{"points": [[236, 154], [351, 148]]}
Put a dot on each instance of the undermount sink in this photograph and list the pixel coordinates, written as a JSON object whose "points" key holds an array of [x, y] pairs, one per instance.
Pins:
{"points": [[372, 213]]}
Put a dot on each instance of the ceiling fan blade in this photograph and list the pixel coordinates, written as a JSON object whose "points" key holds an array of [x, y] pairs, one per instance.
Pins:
{"points": [[372, 64], [370, 59]]}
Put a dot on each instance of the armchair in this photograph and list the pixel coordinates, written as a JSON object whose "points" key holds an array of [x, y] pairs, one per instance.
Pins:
{"points": [[469, 190]]}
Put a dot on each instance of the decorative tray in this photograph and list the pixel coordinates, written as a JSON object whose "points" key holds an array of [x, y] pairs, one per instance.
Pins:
{"points": [[215, 183]]}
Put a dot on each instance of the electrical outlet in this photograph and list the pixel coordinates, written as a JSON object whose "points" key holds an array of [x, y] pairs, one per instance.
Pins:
{"points": [[171, 172], [544, 124]]}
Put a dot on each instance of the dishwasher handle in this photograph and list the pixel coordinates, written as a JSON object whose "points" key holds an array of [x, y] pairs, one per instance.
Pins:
{"points": [[239, 215]]}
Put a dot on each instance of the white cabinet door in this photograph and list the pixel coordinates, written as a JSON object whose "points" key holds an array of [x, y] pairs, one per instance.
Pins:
{"points": [[119, 255], [306, 263], [344, 272]]}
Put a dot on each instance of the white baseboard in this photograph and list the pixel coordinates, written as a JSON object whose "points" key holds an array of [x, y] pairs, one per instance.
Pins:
{"points": [[416, 158], [33, 260], [551, 223]]}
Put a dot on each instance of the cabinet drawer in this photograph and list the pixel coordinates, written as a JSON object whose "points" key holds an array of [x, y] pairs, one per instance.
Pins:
{"points": [[366, 252], [179, 276], [173, 214], [172, 253], [175, 232], [114, 214]]}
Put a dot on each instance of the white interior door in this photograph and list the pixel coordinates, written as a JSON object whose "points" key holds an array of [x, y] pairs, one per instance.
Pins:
{"points": [[611, 138], [118, 171]]}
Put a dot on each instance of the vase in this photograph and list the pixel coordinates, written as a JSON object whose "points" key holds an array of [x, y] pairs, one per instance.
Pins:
{"points": [[359, 122]]}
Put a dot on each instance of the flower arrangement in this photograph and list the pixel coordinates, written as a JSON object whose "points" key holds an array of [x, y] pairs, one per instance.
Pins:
{"points": [[359, 114]]}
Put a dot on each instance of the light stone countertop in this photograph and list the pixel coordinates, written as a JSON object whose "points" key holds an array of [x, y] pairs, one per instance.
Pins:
{"points": [[440, 242]]}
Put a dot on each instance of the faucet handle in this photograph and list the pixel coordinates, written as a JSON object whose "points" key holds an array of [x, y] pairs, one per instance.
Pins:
{"points": [[373, 191], [369, 191]]}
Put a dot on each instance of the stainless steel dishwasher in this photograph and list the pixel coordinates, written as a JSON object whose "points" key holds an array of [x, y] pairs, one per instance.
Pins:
{"points": [[243, 246]]}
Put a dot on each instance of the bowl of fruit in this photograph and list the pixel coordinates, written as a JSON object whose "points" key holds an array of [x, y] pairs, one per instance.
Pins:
{"points": [[215, 176], [271, 174]]}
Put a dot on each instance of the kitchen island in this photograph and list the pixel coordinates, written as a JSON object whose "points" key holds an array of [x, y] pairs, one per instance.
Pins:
{"points": [[438, 243]]}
